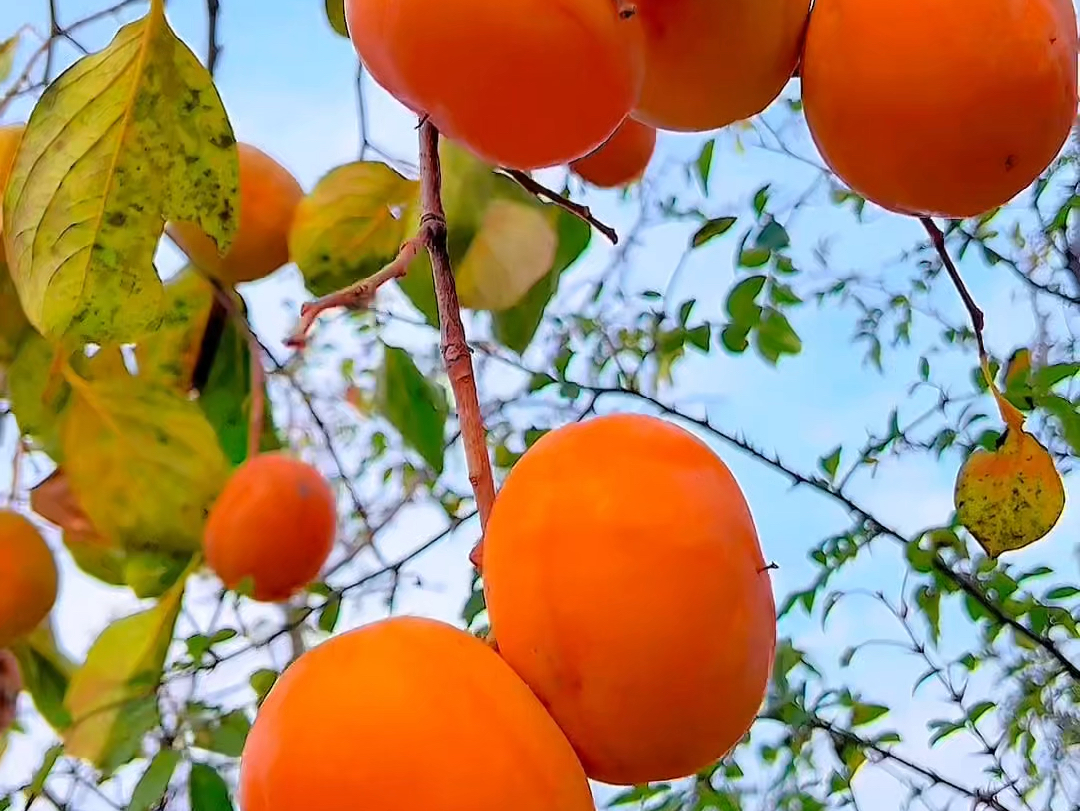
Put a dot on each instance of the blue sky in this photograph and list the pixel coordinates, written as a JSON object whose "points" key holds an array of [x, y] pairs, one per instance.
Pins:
{"points": [[288, 83]]}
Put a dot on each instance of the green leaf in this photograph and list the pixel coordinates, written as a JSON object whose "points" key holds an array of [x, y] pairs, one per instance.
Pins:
{"points": [[122, 431], [761, 199], [261, 682], [711, 230], [734, 337], [862, 714], [226, 735], [979, 710], [121, 141], [46, 674], [415, 406], [41, 774], [773, 237], [515, 327], [703, 164], [1062, 593], [346, 228], [112, 698], [830, 463], [155, 781], [741, 301], [775, 336], [38, 397], [8, 48], [335, 15], [207, 791], [754, 257], [328, 616]]}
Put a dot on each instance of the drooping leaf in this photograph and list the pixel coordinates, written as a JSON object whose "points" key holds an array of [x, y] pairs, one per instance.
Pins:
{"points": [[414, 405], [513, 250], [346, 228], [46, 673], [38, 395], [92, 552], [154, 781], [335, 15], [515, 327], [144, 462], [207, 791], [1011, 496], [121, 141], [112, 698]]}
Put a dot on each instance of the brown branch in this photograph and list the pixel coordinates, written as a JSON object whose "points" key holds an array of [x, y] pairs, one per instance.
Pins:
{"points": [[978, 320], [258, 398], [356, 296], [577, 209], [455, 351]]}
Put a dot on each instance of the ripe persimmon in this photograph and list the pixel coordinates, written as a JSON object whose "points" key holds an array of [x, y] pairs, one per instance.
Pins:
{"points": [[931, 108], [522, 84], [711, 63], [621, 159], [28, 577], [272, 526], [625, 584], [269, 195], [407, 713]]}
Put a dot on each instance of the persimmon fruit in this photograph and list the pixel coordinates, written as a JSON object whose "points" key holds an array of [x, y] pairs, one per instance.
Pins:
{"points": [[272, 527], [28, 577], [622, 159], [711, 63], [407, 713], [940, 109], [10, 136], [523, 85], [269, 195], [625, 584]]}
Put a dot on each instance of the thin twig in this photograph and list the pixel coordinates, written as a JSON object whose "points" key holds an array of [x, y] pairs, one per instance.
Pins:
{"points": [[577, 209], [978, 320], [213, 47], [356, 296], [456, 354], [258, 398]]}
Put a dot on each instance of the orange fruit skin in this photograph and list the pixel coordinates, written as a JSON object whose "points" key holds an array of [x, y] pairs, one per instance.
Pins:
{"points": [[622, 159], [403, 714], [522, 84], [626, 585], [711, 62], [28, 576], [274, 522], [269, 195], [937, 108]]}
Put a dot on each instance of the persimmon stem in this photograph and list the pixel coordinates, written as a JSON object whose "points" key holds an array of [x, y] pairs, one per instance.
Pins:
{"points": [[457, 356], [356, 296], [978, 320], [583, 213]]}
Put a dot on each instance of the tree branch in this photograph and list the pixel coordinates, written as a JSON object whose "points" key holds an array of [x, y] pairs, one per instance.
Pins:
{"points": [[456, 354], [978, 320], [577, 209]]}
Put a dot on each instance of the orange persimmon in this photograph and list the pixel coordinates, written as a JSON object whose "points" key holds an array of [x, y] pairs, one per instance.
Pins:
{"points": [[269, 195], [272, 526], [947, 109], [626, 585], [407, 713], [621, 159], [522, 84], [28, 577]]}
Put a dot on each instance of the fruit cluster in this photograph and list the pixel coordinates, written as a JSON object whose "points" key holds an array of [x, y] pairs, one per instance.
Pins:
{"points": [[634, 632], [923, 107]]}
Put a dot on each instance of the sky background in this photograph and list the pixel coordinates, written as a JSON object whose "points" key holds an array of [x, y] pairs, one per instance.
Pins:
{"points": [[288, 83]]}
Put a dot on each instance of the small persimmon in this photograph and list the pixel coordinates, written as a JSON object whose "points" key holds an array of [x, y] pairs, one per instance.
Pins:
{"points": [[625, 584], [28, 577], [269, 195], [272, 527], [711, 63], [621, 159], [407, 713], [940, 108], [522, 84]]}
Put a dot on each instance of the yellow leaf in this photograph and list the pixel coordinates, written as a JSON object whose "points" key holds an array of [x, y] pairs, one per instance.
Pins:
{"points": [[169, 354], [143, 461], [513, 250], [345, 229], [120, 142], [13, 323], [112, 698], [1012, 496], [7, 56]]}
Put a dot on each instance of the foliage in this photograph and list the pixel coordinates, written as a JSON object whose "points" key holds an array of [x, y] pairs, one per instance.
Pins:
{"points": [[132, 399]]}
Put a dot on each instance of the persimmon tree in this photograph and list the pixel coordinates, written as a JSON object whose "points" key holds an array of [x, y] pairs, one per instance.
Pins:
{"points": [[455, 316]]}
